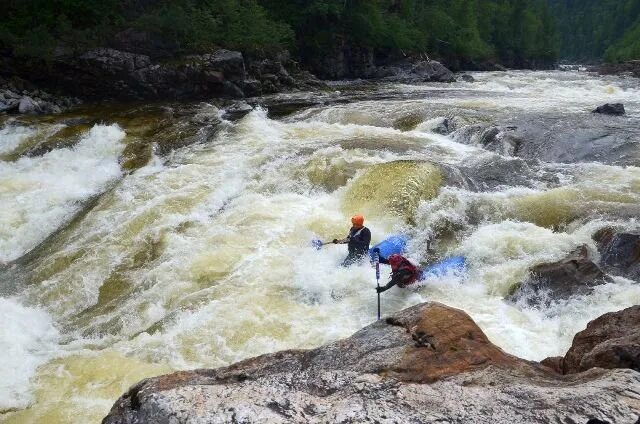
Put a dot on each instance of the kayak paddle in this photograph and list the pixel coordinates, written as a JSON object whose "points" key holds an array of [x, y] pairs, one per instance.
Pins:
{"points": [[377, 262], [318, 244]]}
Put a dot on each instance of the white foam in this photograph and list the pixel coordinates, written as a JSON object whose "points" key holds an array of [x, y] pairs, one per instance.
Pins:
{"points": [[27, 340], [11, 136], [39, 194], [209, 246]]}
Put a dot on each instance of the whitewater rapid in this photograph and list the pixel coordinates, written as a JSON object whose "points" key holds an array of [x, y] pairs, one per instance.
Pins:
{"points": [[201, 257]]}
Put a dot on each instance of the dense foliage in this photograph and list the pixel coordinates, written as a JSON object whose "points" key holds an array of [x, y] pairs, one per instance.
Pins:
{"points": [[36, 27], [515, 32], [592, 29]]}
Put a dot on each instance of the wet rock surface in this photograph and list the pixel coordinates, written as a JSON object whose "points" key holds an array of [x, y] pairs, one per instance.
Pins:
{"points": [[619, 252], [109, 73], [574, 275], [413, 72], [348, 61], [616, 109], [553, 138], [428, 363], [18, 96], [629, 68], [610, 341]]}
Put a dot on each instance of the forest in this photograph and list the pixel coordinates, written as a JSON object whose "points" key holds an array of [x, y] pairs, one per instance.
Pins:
{"points": [[595, 29], [517, 33]]}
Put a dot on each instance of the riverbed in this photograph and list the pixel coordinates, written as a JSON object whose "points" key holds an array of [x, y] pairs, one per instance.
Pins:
{"points": [[141, 239]]}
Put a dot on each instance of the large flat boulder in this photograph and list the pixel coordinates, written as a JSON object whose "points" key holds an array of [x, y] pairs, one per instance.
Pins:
{"points": [[560, 137], [428, 363]]}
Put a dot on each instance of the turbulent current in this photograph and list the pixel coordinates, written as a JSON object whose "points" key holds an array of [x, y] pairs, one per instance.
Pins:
{"points": [[138, 240]]}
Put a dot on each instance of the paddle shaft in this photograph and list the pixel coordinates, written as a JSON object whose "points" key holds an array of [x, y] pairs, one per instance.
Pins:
{"points": [[377, 259]]}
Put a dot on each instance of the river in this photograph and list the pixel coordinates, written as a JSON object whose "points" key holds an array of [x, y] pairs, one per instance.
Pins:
{"points": [[114, 271]]}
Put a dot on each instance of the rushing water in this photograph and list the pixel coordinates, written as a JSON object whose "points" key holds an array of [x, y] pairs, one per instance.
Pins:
{"points": [[201, 257]]}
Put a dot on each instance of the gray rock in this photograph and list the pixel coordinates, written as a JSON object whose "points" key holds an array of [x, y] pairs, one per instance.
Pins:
{"points": [[252, 87], [420, 71], [428, 363], [566, 138], [272, 78], [490, 173], [10, 105], [431, 70], [231, 63], [611, 109], [610, 341], [467, 78], [11, 95], [574, 275], [232, 90], [237, 110], [28, 106], [619, 252]]}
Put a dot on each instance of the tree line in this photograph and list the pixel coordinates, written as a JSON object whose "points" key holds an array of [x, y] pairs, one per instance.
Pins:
{"points": [[595, 29], [514, 32], [519, 33]]}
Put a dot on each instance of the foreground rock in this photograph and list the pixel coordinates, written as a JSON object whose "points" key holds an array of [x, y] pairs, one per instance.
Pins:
{"points": [[619, 252], [428, 363], [574, 275], [610, 341], [616, 109]]}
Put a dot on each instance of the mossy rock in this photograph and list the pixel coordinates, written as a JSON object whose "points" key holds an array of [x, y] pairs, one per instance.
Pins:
{"points": [[396, 187], [408, 122], [136, 155]]}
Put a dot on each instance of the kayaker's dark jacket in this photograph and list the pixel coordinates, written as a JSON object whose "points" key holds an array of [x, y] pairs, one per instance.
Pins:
{"points": [[359, 240]]}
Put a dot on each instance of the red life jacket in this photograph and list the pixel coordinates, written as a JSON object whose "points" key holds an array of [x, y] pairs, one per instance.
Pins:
{"points": [[400, 263]]}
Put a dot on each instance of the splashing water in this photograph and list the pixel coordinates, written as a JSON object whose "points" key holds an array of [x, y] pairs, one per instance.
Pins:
{"points": [[202, 257]]}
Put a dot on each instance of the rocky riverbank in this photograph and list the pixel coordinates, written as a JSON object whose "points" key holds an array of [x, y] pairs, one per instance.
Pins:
{"points": [[428, 363], [629, 68], [20, 96], [122, 75]]}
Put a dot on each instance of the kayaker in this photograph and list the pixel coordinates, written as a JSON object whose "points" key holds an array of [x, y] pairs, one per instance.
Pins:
{"points": [[403, 272], [357, 240]]}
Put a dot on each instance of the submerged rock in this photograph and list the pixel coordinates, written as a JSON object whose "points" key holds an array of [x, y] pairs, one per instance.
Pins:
{"points": [[611, 109], [619, 252], [467, 78], [574, 275], [610, 341], [397, 187], [428, 363]]}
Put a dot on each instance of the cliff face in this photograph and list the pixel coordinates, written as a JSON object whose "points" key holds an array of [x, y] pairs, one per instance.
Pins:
{"points": [[106, 73], [427, 363]]}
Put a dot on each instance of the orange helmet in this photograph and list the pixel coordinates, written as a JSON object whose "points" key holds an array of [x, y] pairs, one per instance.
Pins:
{"points": [[357, 220]]}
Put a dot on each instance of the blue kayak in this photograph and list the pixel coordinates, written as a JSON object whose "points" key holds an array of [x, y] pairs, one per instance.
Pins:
{"points": [[395, 244], [452, 264]]}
